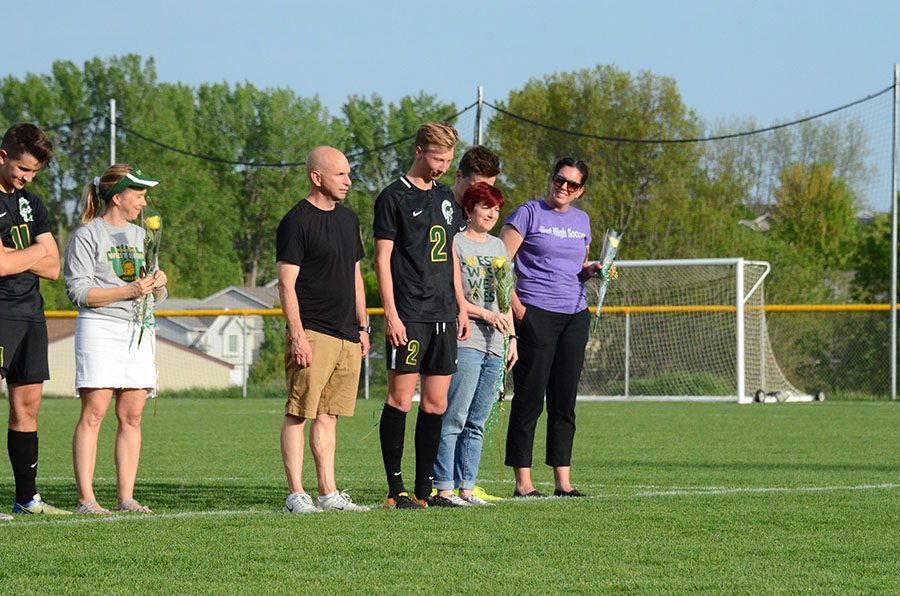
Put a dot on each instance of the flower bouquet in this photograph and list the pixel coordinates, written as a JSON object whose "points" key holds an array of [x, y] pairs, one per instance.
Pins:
{"points": [[607, 271], [144, 304], [504, 281]]}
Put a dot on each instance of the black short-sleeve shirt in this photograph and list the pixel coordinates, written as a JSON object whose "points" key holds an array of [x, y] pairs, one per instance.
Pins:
{"points": [[422, 224], [326, 246], [23, 217]]}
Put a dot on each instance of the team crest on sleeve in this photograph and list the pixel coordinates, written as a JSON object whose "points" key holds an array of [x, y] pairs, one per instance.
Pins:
{"points": [[447, 210], [25, 210]]}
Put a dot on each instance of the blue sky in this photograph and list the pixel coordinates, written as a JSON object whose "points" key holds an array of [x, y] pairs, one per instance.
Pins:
{"points": [[770, 60], [767, 59]]}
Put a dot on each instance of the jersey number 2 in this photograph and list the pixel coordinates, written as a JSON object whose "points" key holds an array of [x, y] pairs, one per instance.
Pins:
{"points": [[438, 238]]}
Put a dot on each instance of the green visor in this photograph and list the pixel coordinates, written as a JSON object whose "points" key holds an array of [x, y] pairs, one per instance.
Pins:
{"points": [[133, 179]]}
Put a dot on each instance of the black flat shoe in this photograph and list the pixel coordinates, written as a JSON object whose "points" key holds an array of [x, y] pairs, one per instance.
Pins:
{"points": [[572, 493], [532, 495]]}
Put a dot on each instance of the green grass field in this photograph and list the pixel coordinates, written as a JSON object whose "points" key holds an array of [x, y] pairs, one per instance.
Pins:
{"points": [[707, 497]]}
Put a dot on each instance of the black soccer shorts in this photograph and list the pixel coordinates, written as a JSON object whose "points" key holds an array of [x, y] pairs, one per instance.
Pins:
{"points": [[23, 352], [431, 349]]}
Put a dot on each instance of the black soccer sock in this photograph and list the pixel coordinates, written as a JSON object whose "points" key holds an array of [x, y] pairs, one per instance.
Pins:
{"points": [[23, 455], [428, 439], [392, 430]]}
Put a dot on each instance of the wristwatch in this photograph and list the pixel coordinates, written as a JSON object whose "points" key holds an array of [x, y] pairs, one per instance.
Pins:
{"points": [[366, 328]]}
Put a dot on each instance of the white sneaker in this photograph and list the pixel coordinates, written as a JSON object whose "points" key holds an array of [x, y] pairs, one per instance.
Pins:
{"points": [[299, 503], [5, 517], [457, 501], [339, 501], [473, 500]]}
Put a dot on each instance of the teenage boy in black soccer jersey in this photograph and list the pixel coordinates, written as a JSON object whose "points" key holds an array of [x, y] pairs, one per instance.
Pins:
{"points": [[28, 253], [418, 277]]}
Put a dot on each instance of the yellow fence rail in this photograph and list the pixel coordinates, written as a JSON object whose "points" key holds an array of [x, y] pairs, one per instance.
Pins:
{"points": [[846, 353], [687, 308]]}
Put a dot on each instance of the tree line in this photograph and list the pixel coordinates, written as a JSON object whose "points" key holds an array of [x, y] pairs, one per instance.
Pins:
{"points": [[672, 200]]}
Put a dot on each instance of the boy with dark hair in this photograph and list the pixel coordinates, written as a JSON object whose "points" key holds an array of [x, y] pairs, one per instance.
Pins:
{"points": [[416, 219], [28, 253], [478, 164]]}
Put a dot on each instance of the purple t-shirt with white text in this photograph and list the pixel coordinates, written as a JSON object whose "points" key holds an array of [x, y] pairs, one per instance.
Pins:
{"points": [[551, 256]]}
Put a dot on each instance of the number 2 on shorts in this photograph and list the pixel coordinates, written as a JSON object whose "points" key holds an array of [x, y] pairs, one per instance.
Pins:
{"points": [[412, 352]]}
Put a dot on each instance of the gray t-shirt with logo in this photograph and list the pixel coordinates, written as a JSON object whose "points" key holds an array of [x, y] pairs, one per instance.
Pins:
{"points": [[101, 255], [478, 287]]}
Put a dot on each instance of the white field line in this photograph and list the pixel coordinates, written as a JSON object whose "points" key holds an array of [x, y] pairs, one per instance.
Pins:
{"points": [[672, 492], [763, 490], [131, 517], [612, 490], [160, 479]]}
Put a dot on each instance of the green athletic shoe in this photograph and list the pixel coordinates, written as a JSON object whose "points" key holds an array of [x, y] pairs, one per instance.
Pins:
{"points": [[37, 506], [479, 492]]}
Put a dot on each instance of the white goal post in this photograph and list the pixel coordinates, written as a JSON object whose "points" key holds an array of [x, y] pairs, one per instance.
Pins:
{"points": [[685, 330]]}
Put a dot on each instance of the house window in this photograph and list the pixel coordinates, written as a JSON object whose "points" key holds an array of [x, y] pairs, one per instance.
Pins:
{"points": [[232, 344]]}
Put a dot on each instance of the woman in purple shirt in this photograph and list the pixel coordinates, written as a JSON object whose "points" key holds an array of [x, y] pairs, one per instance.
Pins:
{"points": [[549, 240]]}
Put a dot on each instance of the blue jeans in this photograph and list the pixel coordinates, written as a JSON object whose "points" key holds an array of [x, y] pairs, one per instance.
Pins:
{"points": [[469, 402]]}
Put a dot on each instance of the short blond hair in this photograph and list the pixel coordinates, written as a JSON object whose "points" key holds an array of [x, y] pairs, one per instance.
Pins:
{"points": [[439, 134]]}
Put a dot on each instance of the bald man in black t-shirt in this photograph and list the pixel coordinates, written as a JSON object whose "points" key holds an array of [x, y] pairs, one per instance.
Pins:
{"points": [[321, 289]]}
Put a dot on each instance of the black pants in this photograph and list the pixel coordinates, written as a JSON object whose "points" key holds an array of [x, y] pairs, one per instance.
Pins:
{"points": [[551, 355]]}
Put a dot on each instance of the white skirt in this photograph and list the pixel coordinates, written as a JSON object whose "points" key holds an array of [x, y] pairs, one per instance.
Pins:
{"points": [[107, 354]]}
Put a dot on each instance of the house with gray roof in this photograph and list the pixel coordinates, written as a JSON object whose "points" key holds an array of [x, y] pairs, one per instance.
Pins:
{"points": [[233, 339]]}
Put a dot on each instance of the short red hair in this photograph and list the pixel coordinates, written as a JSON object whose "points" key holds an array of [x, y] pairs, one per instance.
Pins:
{"points": [[484, 193]]}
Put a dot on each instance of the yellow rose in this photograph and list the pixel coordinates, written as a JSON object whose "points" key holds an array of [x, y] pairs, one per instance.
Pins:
{"points": [[153, 223], [498, 262]]}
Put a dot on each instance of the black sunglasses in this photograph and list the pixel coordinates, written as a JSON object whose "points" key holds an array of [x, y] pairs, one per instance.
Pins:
{"points": [[559, 182]]}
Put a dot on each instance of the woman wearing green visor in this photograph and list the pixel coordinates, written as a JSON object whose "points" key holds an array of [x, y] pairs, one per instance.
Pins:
{"points": [[105, 279]]}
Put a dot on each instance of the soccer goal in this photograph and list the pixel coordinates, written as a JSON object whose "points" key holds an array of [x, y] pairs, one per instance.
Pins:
{"points": [[685, 330]]}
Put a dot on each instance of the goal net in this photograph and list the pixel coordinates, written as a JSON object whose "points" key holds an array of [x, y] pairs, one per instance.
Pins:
{"points": [[692, 329]]}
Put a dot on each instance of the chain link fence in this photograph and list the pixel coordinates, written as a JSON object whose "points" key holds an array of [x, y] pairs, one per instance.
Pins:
{"points": [[842, 352]]}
